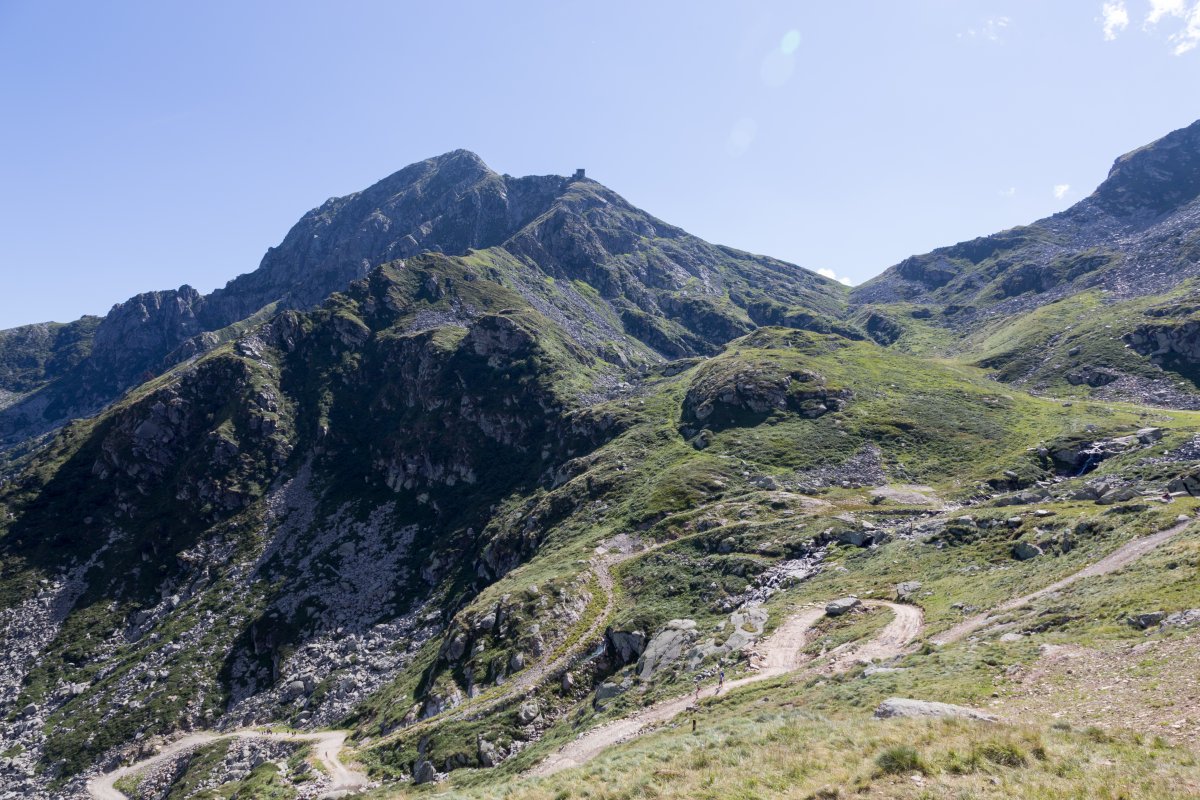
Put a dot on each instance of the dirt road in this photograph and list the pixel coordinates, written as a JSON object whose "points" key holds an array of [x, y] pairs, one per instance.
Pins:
{"points": [[1121, 557], [327, 747], [531, 677], [779, 654]]}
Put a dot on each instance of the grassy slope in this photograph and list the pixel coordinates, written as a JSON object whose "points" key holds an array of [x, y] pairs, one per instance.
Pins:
{"points": [[945, 423], [797, 737]]}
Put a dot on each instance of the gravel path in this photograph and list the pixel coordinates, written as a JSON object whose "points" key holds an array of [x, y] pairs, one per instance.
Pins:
{"points": [[531, 677], [327, 745], [779, 654], [1121, 557]]}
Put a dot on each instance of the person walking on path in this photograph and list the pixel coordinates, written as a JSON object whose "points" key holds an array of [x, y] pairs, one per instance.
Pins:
{"points": [[721, 680]]}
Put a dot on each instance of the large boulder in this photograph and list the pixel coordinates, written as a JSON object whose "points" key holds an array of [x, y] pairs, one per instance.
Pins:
{"points": [[1121, 494], [737, 393], [528, 712], [424, 772], [1183, 619], [1146, 620], [1024, 551], [897, 707], [1186, 482], [489, 754], [837, 608], [626, 645], [855, 537], [906, 592], [666, 647]]}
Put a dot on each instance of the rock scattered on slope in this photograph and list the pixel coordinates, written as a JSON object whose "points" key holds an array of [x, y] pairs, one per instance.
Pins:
{"points": [[1024, 551], [895, 707]]}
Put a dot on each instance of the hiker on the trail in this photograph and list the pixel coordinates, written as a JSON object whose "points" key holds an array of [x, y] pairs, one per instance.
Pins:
{"points": [[721, 680], [697, 688]]}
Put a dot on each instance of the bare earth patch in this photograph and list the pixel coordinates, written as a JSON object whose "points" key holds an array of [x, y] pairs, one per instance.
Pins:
{"points": [[1149, 688], [907, 494]]}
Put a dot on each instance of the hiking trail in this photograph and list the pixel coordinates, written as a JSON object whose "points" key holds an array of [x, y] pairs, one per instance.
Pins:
{"points": [[778, 654], [327, 747], [1121, 557]]}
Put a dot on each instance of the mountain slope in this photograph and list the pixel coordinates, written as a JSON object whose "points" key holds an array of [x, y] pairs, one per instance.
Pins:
{"points": [[1135, 235], [1053, 305], [662, 292], [477, 502]]}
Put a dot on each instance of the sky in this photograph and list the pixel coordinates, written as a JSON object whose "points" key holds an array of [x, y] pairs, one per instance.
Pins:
{"points": [[145, 145]]}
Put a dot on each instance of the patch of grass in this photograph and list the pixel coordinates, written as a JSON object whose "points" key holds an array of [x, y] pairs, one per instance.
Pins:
{"points": [[900, 759], [1003, 753]]}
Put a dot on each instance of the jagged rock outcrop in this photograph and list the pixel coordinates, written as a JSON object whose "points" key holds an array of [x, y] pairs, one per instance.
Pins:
{"points": [[1124, 237], [725, 395]]}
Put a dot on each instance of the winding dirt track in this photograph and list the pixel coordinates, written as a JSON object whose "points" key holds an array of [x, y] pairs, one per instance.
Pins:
{"points": [[327, 745], [530, 678], [527, 680], [779, 654], [1121, 557]]}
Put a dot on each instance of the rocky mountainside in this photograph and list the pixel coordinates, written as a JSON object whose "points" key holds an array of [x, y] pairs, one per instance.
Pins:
{"points": [[1098, 299], [633, 288], [1134, 236], [484, 475]]}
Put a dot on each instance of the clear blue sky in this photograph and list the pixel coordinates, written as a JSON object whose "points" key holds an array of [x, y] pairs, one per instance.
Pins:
{"points": [[146, 145]]}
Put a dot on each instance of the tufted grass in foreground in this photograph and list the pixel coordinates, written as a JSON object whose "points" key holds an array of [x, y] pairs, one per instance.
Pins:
{"points": [[773, 754]]}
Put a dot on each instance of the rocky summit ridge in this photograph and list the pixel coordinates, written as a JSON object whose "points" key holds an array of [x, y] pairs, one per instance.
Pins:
{"points": [[667, 293], [507, 484]]}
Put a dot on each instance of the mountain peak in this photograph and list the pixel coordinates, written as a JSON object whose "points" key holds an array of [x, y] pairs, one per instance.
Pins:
{"points": [[1158, 177], [460, 159]]}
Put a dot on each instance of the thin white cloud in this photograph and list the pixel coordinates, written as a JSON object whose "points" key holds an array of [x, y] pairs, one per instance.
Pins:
{"points": [[1115, 17], [1189, 38], [1185, 13], [993, 28], [1009, 192], [833, 276], [1164, 8], [1061, 189], [990, 30]]}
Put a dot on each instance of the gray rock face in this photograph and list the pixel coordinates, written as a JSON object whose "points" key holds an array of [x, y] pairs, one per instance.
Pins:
{"points": [[1146, 620], [1183, 619], [1149, 435], [906, 592], [609, 689], [1122, 494], [747, 623], [424, 772], [1024, 551], [666, 647], [837, 608], [489, 754], [721, 398], [1186, 482], [898, 707], [528, 712], [627, 646], [855, 537]]}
